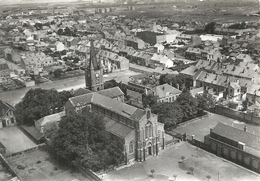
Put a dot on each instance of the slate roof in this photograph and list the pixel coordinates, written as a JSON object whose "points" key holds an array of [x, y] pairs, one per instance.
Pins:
{"points": [[118, 107], [117, 128], [4, 108], [81, 91], [51, 118], [250, 140], [192, 70], [165, 90], [112, 92]]}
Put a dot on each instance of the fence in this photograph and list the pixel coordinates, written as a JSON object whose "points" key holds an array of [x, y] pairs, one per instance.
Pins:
{"points": [[25, 151], [246, 117]]}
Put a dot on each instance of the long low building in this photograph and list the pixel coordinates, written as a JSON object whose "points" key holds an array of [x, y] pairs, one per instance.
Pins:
{"points": [[236, 145]]}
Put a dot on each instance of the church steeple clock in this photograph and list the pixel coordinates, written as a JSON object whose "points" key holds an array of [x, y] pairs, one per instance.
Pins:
{"points": [[93, 71]]}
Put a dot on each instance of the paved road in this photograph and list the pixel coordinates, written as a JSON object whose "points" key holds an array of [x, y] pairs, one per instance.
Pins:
{"points": [[14, 96]]}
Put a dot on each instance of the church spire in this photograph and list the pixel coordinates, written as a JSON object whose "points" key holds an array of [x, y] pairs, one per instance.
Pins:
{"points": [[93, 57]]}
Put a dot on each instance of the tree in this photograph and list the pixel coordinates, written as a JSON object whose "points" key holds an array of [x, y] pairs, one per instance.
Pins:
{"points": [[177, 81], [208, 177], [205, 102], [83, 141], [210, 27], [168, 113], [189, 105], [244, 104], [38, 103], [149, 100], [57, 73], [152, 171]]}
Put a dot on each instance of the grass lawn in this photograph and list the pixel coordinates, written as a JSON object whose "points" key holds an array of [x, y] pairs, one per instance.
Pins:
{"points": [[201, 127], [39, 166], [168, 163], [15, 140]]}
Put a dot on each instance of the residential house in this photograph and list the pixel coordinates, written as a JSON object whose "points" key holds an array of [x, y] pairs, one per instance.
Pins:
{"points": [[7, 117], [59, 46], [141, 58], [253, 94], [134, 42], [158, 60], [214, 55], [166, 93], [193, 53], [4, 71], [234, 90], [242, 72], [158, 48], [34, 62], [112, 61], [243, 58]]}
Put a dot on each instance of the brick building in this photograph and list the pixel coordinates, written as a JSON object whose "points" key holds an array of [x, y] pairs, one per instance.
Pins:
{"points": [[236, 145]]}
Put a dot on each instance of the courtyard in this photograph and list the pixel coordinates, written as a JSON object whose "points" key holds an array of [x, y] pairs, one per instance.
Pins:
{"points": [[201, 127], [169, 163], [15, 140], [38, 165]]}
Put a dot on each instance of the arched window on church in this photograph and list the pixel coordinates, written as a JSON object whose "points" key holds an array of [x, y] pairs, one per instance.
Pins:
{"points": [[131, 147], [148, 130]]}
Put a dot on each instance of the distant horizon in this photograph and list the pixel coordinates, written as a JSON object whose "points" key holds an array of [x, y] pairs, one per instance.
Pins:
{"points": [[10, 2]]}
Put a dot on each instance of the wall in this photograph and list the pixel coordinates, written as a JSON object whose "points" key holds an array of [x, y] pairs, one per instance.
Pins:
{"points": [[247, 117], [235, 155], [5, 163]]}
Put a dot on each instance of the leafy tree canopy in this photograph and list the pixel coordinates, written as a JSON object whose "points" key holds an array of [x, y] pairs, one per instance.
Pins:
{"points": [[83, 141], [177, 81], [38, 103]]}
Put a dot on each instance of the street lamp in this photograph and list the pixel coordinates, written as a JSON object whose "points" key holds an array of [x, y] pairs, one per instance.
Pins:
{"points": [[175, 177]]}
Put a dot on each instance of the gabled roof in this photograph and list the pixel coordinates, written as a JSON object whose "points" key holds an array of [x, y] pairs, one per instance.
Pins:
{"points": [[4, 108], [81, 91], [192, 70], [166, 90], [118, 107], [117, 128], [51, 118], [112, 92], [250, 140]]}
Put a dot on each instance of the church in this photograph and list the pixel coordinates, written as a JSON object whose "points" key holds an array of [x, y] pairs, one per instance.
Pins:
{"points": [[138, 129]]}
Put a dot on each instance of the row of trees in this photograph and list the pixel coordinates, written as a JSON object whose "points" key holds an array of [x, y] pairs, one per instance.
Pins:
{"points": [[38, 103], [185, 107], [83, 141]]}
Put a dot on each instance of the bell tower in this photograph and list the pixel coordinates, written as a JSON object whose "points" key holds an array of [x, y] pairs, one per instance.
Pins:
{"points": [[93, 71]]}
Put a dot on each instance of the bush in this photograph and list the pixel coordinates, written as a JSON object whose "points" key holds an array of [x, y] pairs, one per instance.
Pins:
{"points": [[232, 105]]}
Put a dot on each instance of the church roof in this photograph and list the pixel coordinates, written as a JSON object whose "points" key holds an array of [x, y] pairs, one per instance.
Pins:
{"points": [[117, 128], [118, 107], [112, 92]]}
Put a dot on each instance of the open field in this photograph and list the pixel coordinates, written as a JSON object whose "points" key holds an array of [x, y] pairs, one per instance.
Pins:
{"points": [[167, 164], [201, 127], [205, 11], [15, 140], [38, 166]]}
